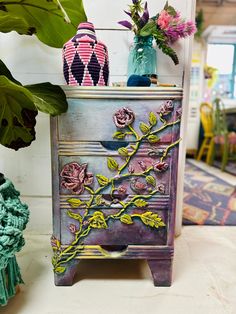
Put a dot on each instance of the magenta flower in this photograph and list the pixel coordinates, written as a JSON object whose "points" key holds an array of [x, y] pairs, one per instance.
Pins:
{"points": [[123, 117], [75, 177], [160, 166]]}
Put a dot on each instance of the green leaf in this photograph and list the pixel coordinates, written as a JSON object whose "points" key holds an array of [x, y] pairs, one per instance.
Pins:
{"points": [[54, 22], [5, 71], [144, 128], [126, 219], [112, 164], [60, 270], [167, 50], [102, 180], [49, 98], [119, 135], [97, 221], [149, 28], [75, 216], [17, 115], [151, 180], [75, 202], [171, 10], [152, 119], [9, 22], [153, 139], [123, 151], [152, 220], [166, 5], [140, 203]]}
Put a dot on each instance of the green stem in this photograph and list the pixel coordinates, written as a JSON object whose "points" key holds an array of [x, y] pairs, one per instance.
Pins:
{"points": [[169, 148], [125, 206], [134, 132], [89, 189]]}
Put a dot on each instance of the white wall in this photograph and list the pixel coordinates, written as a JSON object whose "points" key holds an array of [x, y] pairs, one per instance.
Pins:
{"points": [[31, 62]]}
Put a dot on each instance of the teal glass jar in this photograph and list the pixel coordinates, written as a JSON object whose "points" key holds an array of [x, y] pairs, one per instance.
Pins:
{"points": [[142, 57]]}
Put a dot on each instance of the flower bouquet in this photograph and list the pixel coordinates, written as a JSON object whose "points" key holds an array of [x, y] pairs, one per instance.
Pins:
{"points": [[165, 27]]}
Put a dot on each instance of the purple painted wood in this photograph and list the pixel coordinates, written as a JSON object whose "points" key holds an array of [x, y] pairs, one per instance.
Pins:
{"points": [[161, 270], [112, 203]]}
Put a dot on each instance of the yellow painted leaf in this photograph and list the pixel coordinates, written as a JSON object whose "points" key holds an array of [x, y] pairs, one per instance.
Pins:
{"points": [[75, 216], [60, 270], [152, 220], [75, 202], [152, 119], [144, 128], [151, 180], [126, 219], [102, 180], [140, 203], [112, 164]]}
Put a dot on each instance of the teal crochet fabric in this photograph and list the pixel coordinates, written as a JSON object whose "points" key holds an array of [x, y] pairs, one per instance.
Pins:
{"points": [[13, 219]]}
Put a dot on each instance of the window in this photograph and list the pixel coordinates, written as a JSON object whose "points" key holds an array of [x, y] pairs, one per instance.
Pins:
{"points": [[223, 57]]}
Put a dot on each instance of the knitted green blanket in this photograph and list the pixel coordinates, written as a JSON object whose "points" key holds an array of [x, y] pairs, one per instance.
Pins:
{"points": [[13, 219]]}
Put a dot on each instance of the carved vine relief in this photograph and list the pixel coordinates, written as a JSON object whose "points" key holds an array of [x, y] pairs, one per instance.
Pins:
{"points": [[77, 179]]}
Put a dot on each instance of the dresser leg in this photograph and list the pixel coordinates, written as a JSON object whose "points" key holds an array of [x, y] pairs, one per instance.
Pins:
{"points": [[161, 272], [67, 278]]}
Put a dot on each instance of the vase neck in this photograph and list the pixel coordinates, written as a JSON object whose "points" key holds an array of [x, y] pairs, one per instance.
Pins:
{"points": [[143, 40]]}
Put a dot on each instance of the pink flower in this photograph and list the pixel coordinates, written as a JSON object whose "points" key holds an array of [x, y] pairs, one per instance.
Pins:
{"points": [[123, 117], [161, 188], [72, 228], [138, 186], [75, 177], [131, 169], [164, 19], [143, 166], [160, 166], [122, 189]]}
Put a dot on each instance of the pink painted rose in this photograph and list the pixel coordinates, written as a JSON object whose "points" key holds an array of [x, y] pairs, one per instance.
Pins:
{"points": [[138, 186], [75, 177], [160, 166], [167, 107], [123, 117], [161, 188]]}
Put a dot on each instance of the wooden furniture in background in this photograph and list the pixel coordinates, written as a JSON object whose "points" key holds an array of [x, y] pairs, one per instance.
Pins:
{"points": [[206, 113]]}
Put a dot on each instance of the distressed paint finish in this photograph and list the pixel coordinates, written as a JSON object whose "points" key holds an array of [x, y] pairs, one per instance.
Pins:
{"points": [[84, 135]]}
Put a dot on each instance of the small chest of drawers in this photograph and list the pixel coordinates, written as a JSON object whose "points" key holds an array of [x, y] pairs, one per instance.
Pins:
{"points": [[114, 172]]}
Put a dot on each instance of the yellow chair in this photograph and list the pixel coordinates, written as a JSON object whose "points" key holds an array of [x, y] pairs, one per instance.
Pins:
{"points": [[207, 146]]}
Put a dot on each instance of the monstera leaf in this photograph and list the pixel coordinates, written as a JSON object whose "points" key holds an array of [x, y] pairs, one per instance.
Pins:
{"points": [[19, 106], [17, 115], [52, 21]]}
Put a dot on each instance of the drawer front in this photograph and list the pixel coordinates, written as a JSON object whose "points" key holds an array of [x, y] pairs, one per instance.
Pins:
{"points": [[143, 226], [92, 120], [137, 177]]}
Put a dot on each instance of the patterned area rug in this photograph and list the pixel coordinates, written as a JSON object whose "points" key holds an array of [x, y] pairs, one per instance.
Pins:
{"points": [[230, 168], [208, 200]]}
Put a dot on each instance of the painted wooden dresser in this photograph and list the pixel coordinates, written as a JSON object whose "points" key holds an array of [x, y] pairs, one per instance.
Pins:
{"points": [[114, 173]]}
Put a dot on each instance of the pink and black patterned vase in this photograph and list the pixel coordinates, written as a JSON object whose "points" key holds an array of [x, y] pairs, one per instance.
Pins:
{"points": [[85, 60]]}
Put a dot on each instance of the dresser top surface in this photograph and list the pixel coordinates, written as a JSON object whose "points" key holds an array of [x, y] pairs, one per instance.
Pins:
{"points": [[123, 92]]}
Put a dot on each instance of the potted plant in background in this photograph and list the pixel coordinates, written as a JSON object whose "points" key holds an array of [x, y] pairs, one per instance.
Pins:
{"points": [[53, 22], [165, 28]]}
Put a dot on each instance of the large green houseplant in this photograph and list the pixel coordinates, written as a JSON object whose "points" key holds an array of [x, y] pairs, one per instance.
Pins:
{"points": [[53, 22]]}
